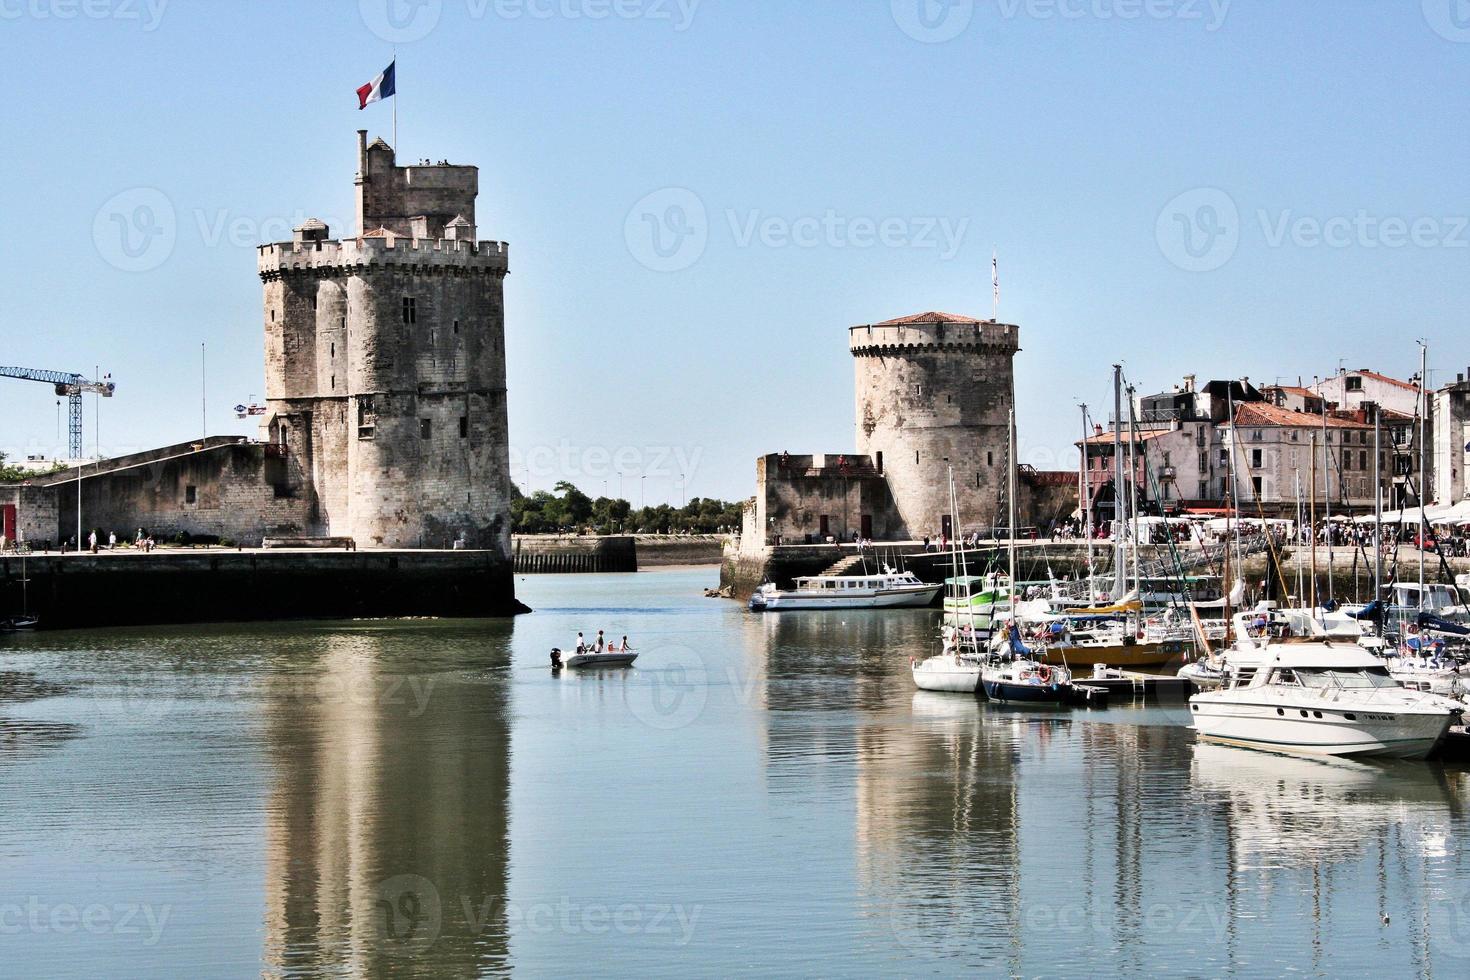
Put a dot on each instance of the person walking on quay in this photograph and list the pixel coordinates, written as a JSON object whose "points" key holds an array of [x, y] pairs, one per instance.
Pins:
{"points": [[111, 540], [92, 541]]}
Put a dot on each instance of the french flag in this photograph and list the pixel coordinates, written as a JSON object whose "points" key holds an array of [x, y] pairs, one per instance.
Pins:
{"points": [[378, 89]]}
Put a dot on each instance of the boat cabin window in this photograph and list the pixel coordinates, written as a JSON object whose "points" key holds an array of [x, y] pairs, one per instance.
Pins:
{"points": [[1353, 677]]}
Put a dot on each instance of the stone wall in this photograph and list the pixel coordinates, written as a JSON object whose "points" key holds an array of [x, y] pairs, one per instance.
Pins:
{"points": [[572, 553], [35, 512], [169, 586], [794, 494], [241, 492]]}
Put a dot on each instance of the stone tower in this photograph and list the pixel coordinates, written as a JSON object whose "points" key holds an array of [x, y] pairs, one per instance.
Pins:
{"points": [[385, 364], [931, 387]]}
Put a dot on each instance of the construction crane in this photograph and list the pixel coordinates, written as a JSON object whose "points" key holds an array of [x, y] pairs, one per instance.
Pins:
{"points": [[73, 386]]}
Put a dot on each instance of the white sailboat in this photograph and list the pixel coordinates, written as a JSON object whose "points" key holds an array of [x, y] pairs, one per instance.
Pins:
{"points": [[956, 668]]}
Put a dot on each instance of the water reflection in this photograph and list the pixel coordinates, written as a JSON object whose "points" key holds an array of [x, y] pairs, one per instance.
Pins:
{"points": [[386, 830]]}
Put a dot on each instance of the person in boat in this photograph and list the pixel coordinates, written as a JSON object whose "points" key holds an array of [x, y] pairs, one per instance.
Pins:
{"points": [[581, 645], [601, 644], [623, 647]]}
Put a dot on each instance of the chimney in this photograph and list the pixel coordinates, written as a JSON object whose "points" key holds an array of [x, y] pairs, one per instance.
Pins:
{"points": [[1097, 428], [1189, 382]]}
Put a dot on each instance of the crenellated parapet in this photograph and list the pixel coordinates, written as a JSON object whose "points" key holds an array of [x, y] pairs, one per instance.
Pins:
{"points": [[348, 256], [882, 339]]}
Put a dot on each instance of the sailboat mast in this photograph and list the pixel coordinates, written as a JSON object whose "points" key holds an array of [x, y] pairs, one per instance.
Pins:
{"points": [[1312, 494], [1085, 500], [1423, 453], [1300, 517], [1377, 504], [1133, 474], [1011, 502], [1327, 496], [1120, 558]]}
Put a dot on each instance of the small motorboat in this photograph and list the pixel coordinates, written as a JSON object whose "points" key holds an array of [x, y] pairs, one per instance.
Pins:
{"points": [[19, 624], [607, 658]]}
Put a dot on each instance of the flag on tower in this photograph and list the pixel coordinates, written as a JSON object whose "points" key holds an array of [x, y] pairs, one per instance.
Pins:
{"points": [[995, 280], [378, 89]]}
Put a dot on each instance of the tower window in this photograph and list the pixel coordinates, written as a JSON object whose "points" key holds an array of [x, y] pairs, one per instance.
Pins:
{"points": [[410, 310], [989, 458], [456, 328], [367, 417], [977, 481], [334, 382], [334, 348], [426, 428], [916, 457], [191, 494], [464, 427]]}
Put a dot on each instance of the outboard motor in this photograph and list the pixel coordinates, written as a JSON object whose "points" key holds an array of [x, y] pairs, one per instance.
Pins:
{"points": [[555, 658]]}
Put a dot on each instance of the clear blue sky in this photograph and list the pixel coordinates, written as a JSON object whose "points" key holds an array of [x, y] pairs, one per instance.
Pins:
{"points": [[1059, 134]]}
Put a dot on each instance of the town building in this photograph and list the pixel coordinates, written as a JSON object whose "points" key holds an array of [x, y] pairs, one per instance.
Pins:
{"points": [[1274, 455]]}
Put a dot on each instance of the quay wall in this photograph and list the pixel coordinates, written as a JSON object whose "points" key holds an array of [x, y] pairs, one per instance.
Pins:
{"points": [[534, 554], [215, 585], [581, 553]]}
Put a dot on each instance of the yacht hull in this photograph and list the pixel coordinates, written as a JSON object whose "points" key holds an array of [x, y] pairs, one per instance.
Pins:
{"points": [[1314, 730], [1135, 655], [1013, 693], [876, 599], [947, 675]]}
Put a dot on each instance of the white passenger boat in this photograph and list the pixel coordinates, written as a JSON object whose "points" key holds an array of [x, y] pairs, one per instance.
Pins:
{"points": [[890, 590], [1318, 697], [607, 658]]}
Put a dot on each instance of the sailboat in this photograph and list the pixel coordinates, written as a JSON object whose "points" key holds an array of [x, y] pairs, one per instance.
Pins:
{"points": [[1012, 672], [25, 621], [956, 668]]}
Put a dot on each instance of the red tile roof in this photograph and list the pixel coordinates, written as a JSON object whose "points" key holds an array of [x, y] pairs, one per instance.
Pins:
{"points": [[1262, 414], [1106, 438], [928, 318], [1387, 380], [1293, 389]]}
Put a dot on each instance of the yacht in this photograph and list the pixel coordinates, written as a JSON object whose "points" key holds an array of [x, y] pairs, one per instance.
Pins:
{"points": [[1013, 673], [955, 670], [1323, 697], [889, 590]]}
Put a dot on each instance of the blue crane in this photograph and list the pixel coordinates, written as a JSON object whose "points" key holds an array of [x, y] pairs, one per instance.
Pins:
{"points": [[72, 385]]}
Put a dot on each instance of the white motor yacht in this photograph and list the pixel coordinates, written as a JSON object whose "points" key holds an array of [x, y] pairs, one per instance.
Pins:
{"points": [[1319, 697], [890, 590]]}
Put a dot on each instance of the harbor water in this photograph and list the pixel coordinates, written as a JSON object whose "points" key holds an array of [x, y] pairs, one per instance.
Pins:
{"points": [[761, 795]]}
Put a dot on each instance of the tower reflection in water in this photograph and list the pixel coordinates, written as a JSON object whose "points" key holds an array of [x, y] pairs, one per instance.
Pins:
{"points": [[386, 827], [929, 780]]}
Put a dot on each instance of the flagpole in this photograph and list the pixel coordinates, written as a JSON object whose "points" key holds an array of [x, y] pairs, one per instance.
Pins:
{"points": [[995, 284], [395, 104]]}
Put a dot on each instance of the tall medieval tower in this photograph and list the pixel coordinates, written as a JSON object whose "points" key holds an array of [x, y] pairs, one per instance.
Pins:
{"points": [[385, 364], [935, 390]]}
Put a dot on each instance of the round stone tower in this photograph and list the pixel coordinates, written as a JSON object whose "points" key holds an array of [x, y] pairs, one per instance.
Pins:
{"points": [[385, 364], [934, 387]]}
